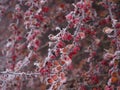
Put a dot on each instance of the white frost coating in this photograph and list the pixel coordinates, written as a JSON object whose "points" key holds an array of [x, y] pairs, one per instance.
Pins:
{"points": [[8, 44], [21, 64], [109, 82], [43, 1], [18, 65], [39, 10], [26, 61], [117, 54], [57, 28], [10, 77], [37, 64]]}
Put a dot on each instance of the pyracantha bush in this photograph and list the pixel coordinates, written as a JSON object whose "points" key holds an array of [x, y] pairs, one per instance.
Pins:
{"points": [[60, 45]]}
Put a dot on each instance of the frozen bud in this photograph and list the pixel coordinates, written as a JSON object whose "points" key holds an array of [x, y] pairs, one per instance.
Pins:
{"points": [[66, 49], [95, 79], [97, 41], [67, 59], [37, 42], [82, 35], [60, 44], [80, 5], [49, 64], [76, 49], [56, 63], [67, 36], [43, 71], [69, 17], [57, 69], [63, 77], [54, 77], [50, 80], [13, 26], [76, 21], [17, 7], [45, 9], [36, 32]]}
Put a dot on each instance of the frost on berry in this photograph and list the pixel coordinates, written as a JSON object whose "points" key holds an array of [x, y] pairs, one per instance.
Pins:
{"points": [[42, 40]]}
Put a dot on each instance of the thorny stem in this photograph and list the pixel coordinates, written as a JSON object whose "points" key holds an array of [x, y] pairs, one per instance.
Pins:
{"points": [[113, 25], [16, 74], [21, 73], [80, 22]]}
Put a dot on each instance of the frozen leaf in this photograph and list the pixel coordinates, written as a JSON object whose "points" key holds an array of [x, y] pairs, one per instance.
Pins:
{"points": [[108, 30]]}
